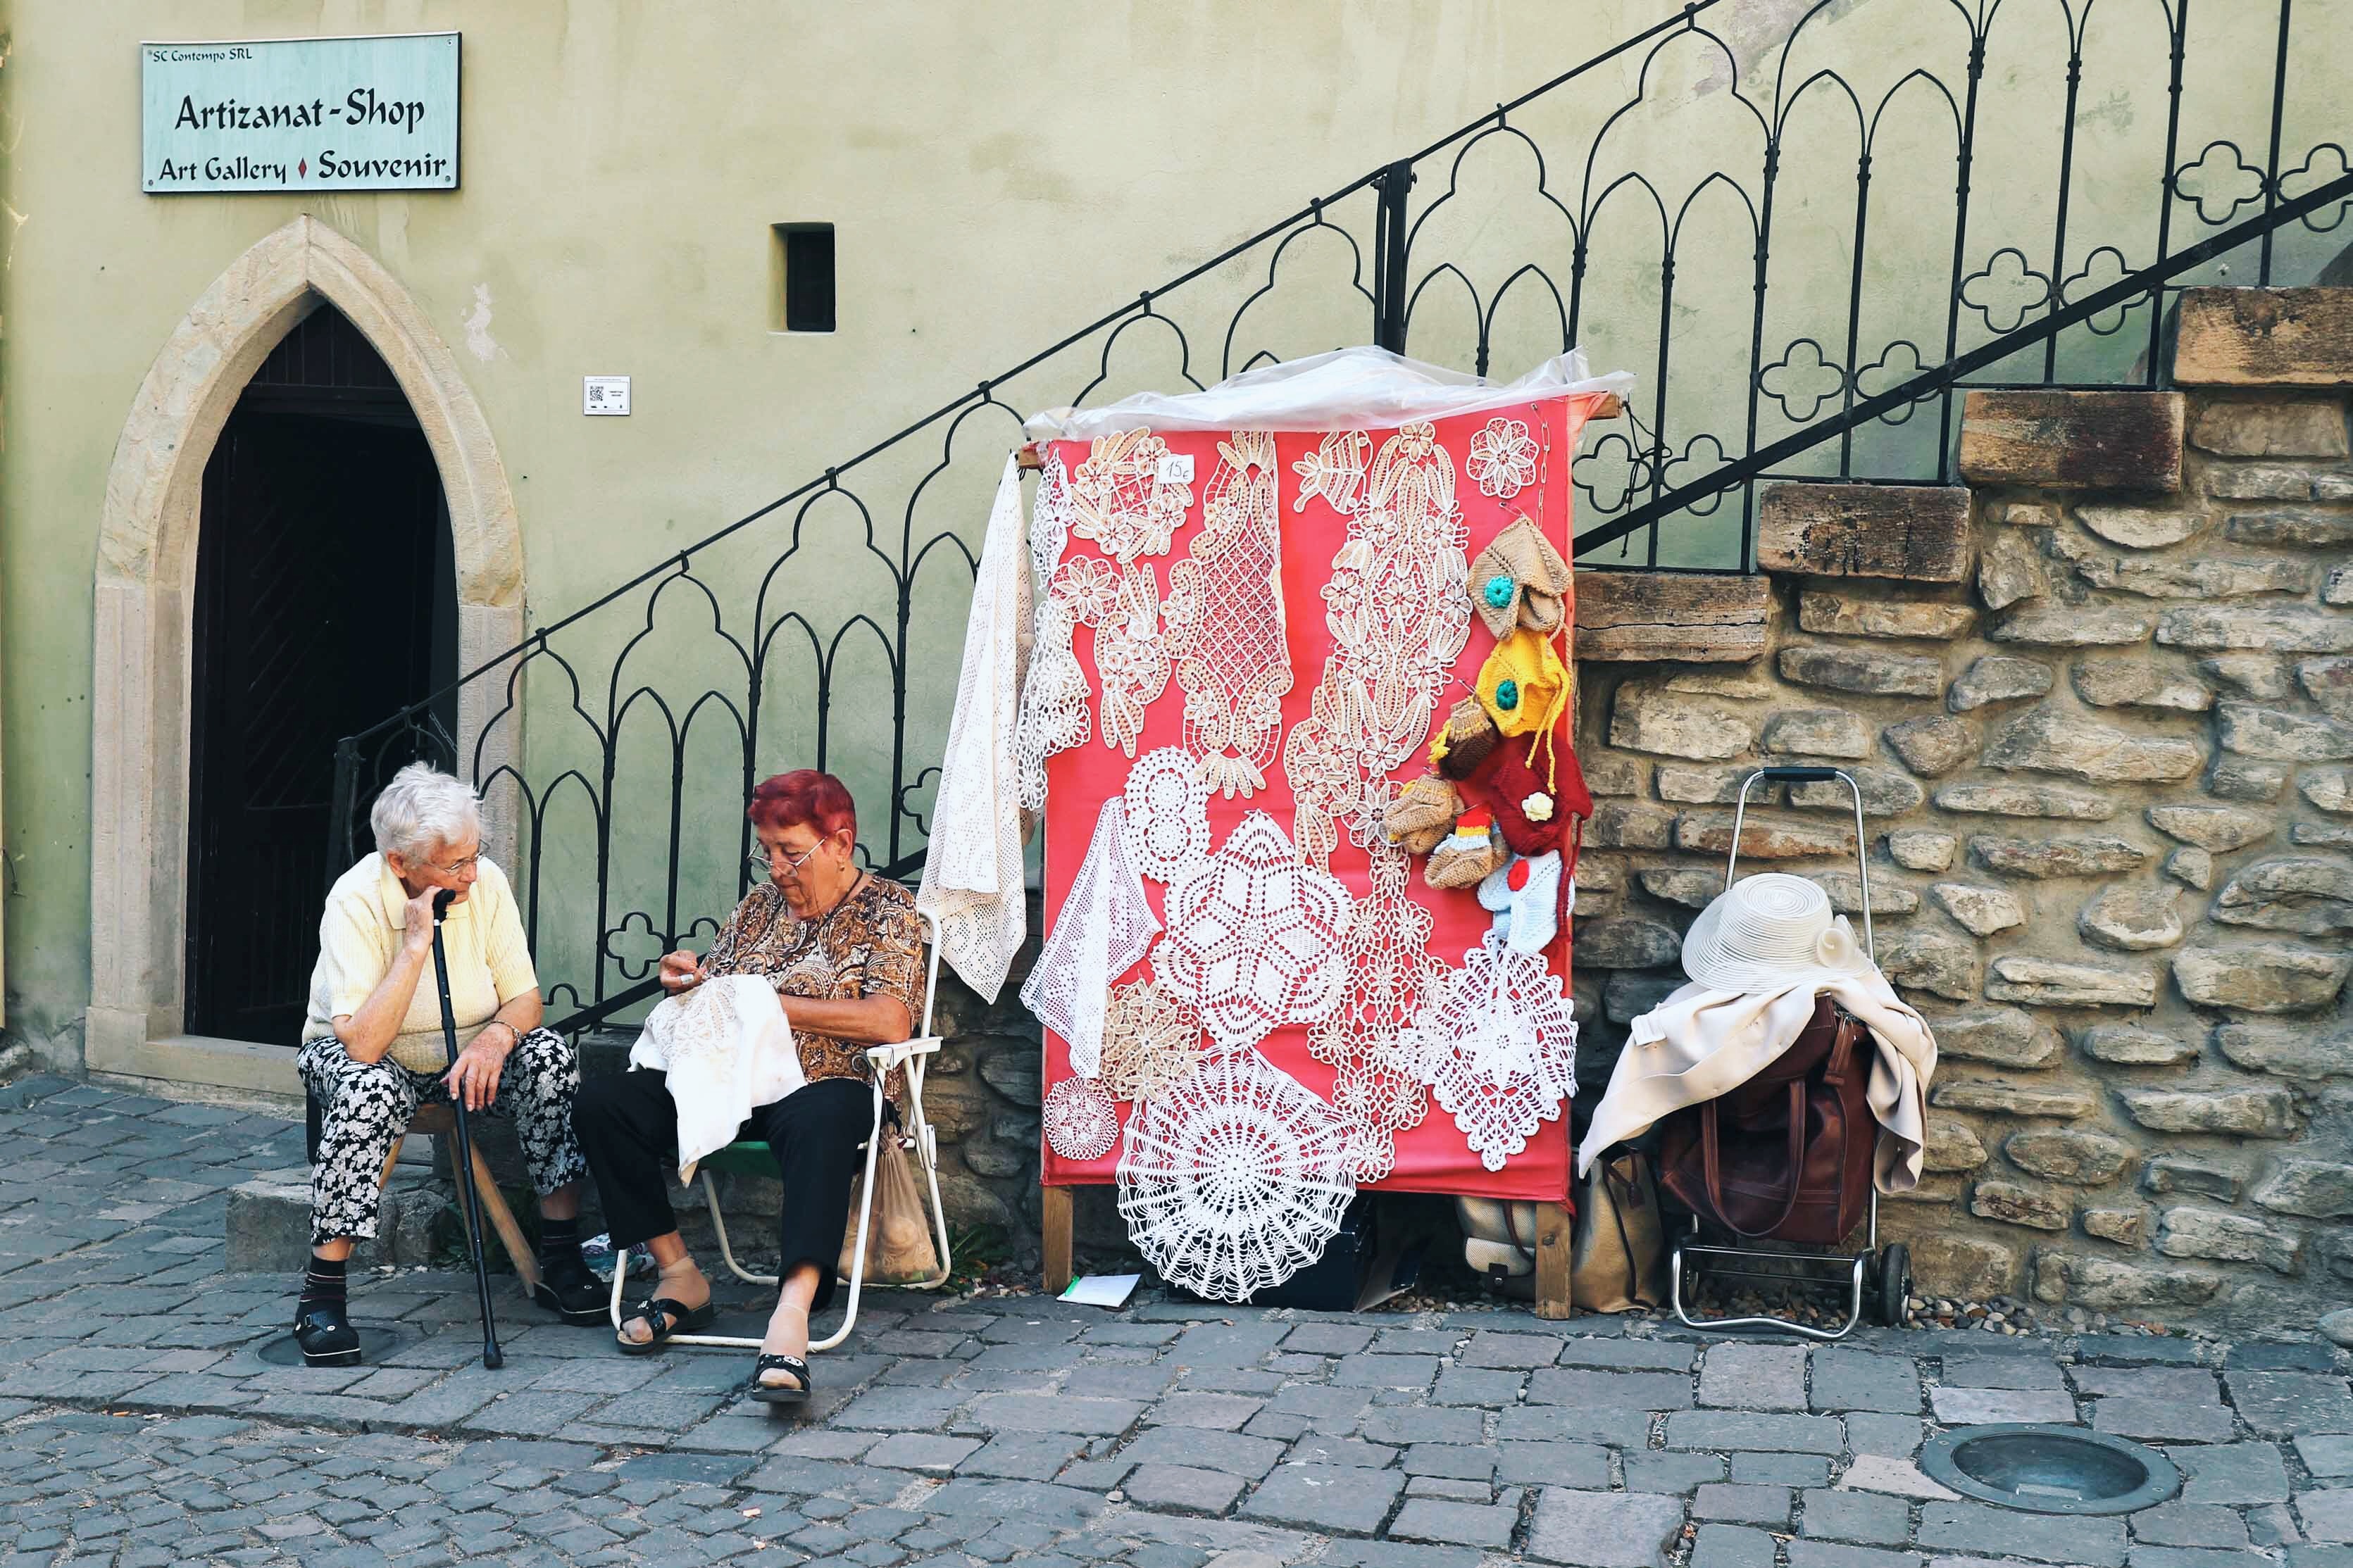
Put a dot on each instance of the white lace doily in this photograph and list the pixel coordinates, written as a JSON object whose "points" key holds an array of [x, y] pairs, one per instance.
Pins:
{"points": [[1120, 501], [1054, 714], [1380, 1087], [1498, 1046], [1235, 1179], [1399, 618], [1255, 939], [1227, 620], [1102, 928], [1335, 470], [1081, 1123], [1503, 460], [1151, 1042], [1167, 820]]}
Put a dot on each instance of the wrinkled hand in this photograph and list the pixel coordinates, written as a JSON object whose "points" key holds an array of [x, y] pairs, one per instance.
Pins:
{"points": [[680, 972], [474, 1082], [417, 925]]}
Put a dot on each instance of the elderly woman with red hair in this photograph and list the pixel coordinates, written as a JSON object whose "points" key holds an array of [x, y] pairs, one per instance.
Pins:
{"points": [[844, 949]]}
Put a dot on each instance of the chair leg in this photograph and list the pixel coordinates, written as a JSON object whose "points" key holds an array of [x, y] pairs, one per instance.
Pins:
{"points": [[502, 1221], [719, 1224], [391, 1158]]}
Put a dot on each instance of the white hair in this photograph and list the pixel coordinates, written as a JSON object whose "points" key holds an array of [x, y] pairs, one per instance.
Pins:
{"points": [[422, 807]]}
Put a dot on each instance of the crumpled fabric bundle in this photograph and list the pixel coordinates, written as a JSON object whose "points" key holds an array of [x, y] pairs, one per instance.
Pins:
{"points": [[972, 873], [726, 1050], [1703, 1041], [1519, 579]]}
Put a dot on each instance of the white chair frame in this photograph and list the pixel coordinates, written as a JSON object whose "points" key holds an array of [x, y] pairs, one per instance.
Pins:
{"points": [[918, 1135]]}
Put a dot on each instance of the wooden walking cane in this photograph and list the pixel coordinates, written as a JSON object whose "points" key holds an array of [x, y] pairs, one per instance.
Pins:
{"points": [[492, 1357]]}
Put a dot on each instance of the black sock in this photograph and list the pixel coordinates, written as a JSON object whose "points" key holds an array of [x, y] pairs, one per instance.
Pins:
{"points": [[558, 1239], [323, 1285]]}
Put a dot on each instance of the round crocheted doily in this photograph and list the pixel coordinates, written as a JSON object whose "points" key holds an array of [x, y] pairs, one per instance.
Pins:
{"points": [[1236, 1178], [1080, 1121]]}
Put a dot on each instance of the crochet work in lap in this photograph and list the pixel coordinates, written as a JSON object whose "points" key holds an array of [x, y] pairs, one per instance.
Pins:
{"points": [[1254, 938], [1226, 626], [1498, 1047], [1104, 927], [1235, 1179]]}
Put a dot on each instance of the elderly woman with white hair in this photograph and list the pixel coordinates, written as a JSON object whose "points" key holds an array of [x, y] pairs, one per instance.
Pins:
{"points": [[373, 1049]]}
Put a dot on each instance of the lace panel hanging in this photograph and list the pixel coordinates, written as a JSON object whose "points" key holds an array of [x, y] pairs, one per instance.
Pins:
{"points": [[1081, 1123], [1503, 460], [1378, 1088], [1168, 821], [1119, 498], [1227, 625], [1498, 1045], [1255, 939], [1151, 1042], [1054, 716], [1104, 927], [1234, 1180], [1399, 618], [1131, 656], [1335, 470]]}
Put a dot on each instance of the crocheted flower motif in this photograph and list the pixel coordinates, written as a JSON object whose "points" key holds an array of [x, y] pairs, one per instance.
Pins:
{"points": [[1507, 695], [1151, 1042], [1498, 1049], [1498, 591], [1091, 586], [1537, 807], [1081, 1123], [1167, 822], [1502, 458], [1120, 501], [1236, 1180], [1254, 939]]}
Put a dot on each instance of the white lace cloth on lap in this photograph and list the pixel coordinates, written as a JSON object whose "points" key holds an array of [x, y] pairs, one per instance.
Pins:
{"points": [[971, 871], [1234, 1180], [1104, 927], [726, 1050]]}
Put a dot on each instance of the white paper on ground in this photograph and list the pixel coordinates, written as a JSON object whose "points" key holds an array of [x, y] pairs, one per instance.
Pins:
{"points": [[1102, 1289]]}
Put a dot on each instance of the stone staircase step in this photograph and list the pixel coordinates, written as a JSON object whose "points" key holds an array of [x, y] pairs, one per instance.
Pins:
{"points": [[2074, 440], [1917, 533], [1642, 617], [2263, 337]]}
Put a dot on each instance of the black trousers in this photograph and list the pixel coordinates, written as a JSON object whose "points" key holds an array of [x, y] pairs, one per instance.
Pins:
{"points": [[626, 1125]]}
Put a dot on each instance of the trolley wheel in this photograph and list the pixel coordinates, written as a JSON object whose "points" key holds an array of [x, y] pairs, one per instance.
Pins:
{"points": [[1892, 1283]]}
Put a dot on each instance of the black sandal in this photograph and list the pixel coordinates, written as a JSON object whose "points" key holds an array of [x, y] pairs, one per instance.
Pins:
{"points": [[778, 1393], [326, 1336], [666, 1318]]}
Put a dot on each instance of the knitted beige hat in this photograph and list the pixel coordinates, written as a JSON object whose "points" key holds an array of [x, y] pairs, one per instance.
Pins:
{"points": [[1519, 578]]}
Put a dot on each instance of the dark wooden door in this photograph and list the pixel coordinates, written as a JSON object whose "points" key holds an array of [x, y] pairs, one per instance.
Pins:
{"points": [[323, 537]]}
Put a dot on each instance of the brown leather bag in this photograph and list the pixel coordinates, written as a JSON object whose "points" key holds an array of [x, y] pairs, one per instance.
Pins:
{"points": [[1787, 1156]]}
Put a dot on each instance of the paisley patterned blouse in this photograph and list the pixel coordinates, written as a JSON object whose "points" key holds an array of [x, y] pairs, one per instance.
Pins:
{"points": [[871, 943]]}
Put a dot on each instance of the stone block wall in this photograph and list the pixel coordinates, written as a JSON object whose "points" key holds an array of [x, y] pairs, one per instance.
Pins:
{"points": [[2105, 744]]}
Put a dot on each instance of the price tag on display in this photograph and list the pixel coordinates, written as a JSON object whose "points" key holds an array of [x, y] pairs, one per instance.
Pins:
{"points": [[1176, 468]]}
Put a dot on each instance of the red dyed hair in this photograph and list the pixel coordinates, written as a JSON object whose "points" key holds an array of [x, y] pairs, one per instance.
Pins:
{"points": [[804, 797]]}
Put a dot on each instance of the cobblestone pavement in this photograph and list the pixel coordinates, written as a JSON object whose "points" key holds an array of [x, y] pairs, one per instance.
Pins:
{"points": [[149, 1427]]}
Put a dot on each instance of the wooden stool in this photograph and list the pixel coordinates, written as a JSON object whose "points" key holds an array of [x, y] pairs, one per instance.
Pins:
{"points": [[440, 1122]]}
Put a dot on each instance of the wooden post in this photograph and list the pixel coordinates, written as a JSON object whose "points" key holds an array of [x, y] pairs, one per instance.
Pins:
{"points": [[1552, 1260], [1055, 1222]]}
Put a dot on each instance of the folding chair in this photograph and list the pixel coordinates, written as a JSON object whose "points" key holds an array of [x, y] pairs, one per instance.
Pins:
{"points": [[751, 1157]]}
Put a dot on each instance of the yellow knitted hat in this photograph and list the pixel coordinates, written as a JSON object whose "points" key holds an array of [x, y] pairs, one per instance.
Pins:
{"points": [[1524, 686]]}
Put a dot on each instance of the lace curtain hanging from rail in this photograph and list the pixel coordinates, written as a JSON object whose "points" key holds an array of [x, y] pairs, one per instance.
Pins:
{"points": [[1225, 633], [1235, 1179]]}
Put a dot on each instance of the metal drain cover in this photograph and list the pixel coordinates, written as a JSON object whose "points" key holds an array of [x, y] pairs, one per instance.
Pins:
{"points": [[2039, 1469]]}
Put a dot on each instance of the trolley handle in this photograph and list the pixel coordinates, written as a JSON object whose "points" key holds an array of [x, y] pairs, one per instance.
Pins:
{"points": [[1815, 775], [1797, 776]]}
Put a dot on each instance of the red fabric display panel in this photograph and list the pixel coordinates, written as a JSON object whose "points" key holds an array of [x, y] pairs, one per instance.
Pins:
{"points": [[1256, 645]]}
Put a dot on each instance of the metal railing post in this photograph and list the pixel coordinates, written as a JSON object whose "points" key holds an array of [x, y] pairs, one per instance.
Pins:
{"points": [[1390, 288]]}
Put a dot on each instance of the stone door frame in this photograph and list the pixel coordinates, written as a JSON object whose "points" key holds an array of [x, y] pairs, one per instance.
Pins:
{"points": [[139, 699]]}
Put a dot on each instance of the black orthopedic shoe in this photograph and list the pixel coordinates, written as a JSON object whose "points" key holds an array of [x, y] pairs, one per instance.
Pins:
{"points": [[570, 1289], [326, 1335]]}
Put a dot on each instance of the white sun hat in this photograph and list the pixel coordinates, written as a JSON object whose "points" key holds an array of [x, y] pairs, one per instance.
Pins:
{"points": [[1770, 933]]}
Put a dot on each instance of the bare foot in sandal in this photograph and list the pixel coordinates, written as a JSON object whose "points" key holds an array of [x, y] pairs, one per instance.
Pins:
{"points": [[680, 1282]]}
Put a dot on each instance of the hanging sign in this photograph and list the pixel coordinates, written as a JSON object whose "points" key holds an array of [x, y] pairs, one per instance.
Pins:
{"points": [[301, 115]]}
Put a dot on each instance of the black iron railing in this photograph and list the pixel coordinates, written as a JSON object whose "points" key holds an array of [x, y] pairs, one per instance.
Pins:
{"points": [[1806, 262]]}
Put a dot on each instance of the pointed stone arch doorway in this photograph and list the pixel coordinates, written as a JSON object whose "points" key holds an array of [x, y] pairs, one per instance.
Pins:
{"points": [[146, 573]]}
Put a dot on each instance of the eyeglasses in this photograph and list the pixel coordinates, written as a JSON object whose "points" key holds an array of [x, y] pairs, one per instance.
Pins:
{"points": [[456, 868], [763, 862]]}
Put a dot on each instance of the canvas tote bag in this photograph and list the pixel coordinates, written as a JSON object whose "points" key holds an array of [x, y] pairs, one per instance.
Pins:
{"points": [[1617, 1256]]}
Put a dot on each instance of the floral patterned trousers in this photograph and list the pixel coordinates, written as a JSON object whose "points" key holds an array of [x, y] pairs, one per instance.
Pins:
{"points": [[364, 1105]]}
